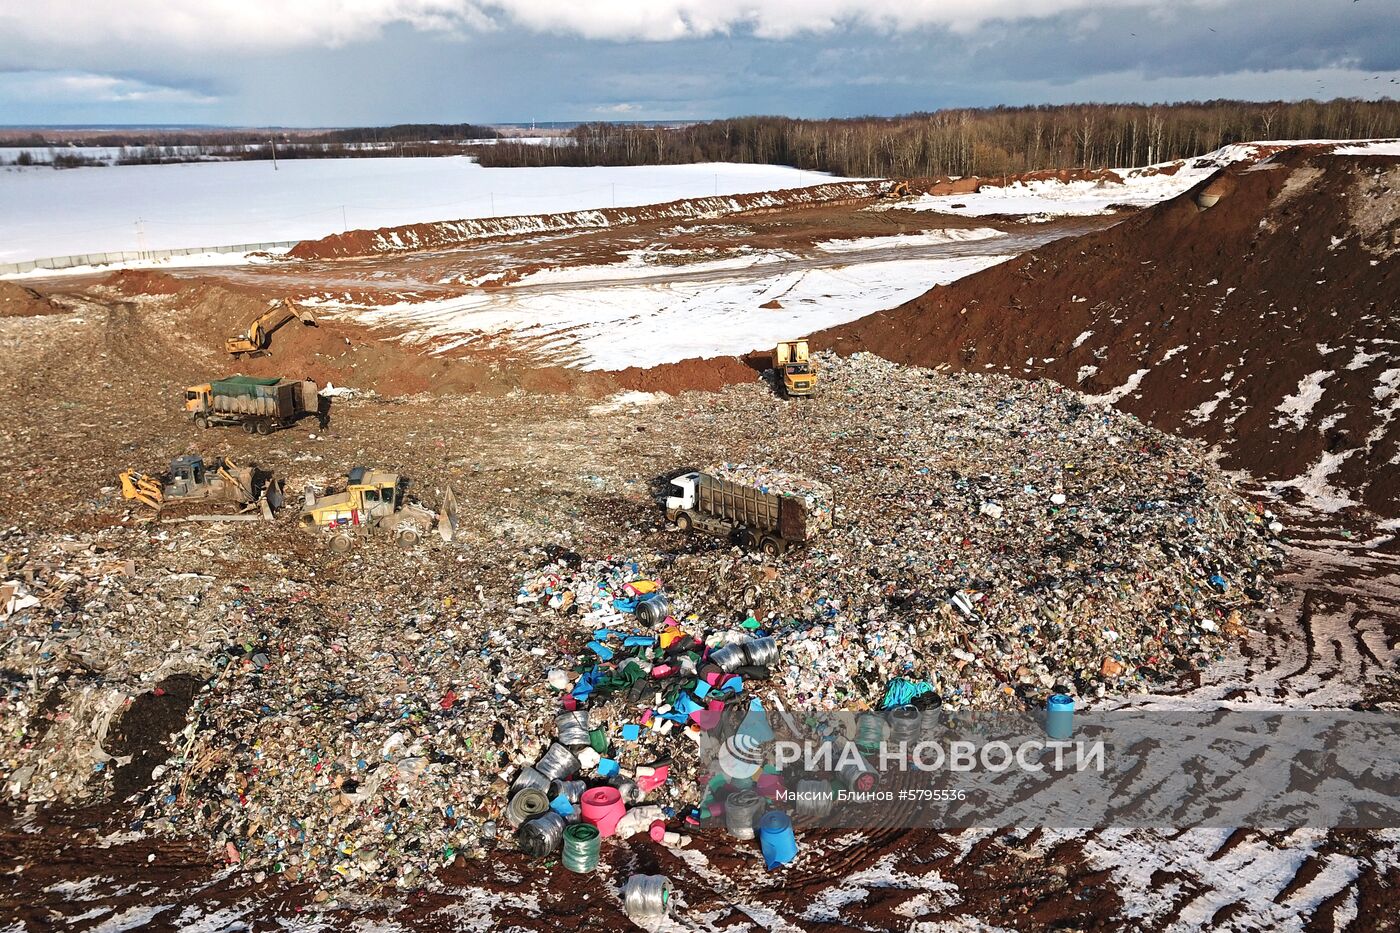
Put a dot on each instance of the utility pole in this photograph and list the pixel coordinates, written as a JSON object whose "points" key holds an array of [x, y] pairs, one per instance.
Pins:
{"points": [[273, 144], [614, 194], [493, 204], [344, 219], [140, 238]]}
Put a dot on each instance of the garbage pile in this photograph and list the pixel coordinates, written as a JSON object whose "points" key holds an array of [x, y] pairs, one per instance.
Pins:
{"points": [[372, 718], [818, 496]]}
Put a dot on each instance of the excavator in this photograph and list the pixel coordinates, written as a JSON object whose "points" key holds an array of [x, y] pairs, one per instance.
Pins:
{"points": [[259, 336]]}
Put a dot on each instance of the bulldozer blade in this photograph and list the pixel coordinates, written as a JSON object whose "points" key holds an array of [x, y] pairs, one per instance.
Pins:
{"points": [[447, 515], [142, 488]]}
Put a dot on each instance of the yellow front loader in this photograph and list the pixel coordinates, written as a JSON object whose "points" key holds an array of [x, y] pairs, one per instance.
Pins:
{"points": [[376, 502]]}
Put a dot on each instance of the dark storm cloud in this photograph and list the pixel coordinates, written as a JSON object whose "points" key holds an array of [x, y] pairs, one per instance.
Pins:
{"points": [[400, 72]]}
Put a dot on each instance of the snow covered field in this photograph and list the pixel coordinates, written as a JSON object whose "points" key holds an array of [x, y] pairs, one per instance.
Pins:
{"points": [[613, 317], [46, 213]]}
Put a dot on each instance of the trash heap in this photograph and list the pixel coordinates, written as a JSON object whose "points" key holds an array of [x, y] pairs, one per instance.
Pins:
{"points": [[618, 763], [818, 496], [994, 539], [364, 719]]}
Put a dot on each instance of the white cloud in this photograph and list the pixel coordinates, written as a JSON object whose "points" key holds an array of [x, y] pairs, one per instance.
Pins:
{"points": [[617, 108], [81, 87], [262, 24]]}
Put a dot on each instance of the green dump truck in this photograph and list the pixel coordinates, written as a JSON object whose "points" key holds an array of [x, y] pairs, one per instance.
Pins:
{"points": [[260, 404]]}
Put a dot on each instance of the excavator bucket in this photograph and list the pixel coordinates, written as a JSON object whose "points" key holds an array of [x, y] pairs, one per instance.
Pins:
{"points": [[447, 515], [303, 314], [142, 488]]}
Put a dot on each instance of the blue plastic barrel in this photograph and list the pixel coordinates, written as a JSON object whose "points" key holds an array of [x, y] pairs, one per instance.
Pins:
{"points": [[1059, 716], [776, 838]]}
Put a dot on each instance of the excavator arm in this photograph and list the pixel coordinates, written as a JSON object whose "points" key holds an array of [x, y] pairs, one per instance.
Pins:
{"points": [[260, 332]]}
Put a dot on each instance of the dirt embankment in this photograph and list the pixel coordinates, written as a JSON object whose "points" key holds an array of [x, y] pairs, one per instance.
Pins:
{"points": [[1265, 323], [443, 234], [18, 301], [187, 320]]}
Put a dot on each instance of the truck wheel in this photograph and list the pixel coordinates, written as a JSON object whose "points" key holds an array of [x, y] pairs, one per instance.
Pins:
{"points": [[340, 544], [263, 426], [407, 537], [249, 427], [746, 539], [683, 522], [201, 422], [772, 546]]}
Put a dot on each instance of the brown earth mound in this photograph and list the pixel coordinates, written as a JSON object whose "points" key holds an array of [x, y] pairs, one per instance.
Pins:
{"points": [[442, 234], [1265, 324], [143, 282], [18, 301]]}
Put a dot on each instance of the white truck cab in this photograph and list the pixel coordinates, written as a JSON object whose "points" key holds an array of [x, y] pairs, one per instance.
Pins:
{"points": [[683, 494]]}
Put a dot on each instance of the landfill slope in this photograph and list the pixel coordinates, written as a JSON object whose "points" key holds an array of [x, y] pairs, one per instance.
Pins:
{"points": [[306, 659], [1264, 324]]}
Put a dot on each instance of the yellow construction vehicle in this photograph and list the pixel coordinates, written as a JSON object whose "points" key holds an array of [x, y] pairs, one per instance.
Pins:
{"points": [[190, 479], [255, 342], [796, 372], [375, 502]]}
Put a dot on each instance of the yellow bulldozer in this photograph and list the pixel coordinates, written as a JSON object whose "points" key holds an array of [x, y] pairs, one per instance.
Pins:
{"points": [[259, 336], [191, 478], [375, 502]]}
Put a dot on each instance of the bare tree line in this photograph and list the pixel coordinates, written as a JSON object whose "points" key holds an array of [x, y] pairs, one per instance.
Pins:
{"points": [[987, 141]]}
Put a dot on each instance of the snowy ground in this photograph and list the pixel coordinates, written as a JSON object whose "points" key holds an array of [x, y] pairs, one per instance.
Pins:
{"points": [[1140, 187], [615, 316], [47, 213]]}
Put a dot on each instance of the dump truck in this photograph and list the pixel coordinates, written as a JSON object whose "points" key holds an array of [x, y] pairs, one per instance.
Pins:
{"points": [[796, 372], [258, 338], [375, 502], [260, 405], [193, 478], [761, 508]]}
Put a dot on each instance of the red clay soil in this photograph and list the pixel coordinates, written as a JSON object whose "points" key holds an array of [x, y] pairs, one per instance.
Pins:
{"points": [[18, 301], [1225, 311], [143, 282]]}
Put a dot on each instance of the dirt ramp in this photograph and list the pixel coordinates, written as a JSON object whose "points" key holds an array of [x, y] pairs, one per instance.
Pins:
{"points": [[1264, 323]]}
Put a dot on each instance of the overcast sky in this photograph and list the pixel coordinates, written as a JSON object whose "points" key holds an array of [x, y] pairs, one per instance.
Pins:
{"points": [[355, 62]]}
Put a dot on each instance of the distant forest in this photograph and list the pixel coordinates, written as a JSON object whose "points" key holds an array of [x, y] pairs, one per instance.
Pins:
{"points": [[990, 141], [146, 147], [399, 133]]}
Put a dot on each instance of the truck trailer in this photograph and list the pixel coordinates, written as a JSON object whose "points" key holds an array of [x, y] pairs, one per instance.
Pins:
{"points": [[260, 405], [764, 508]]}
